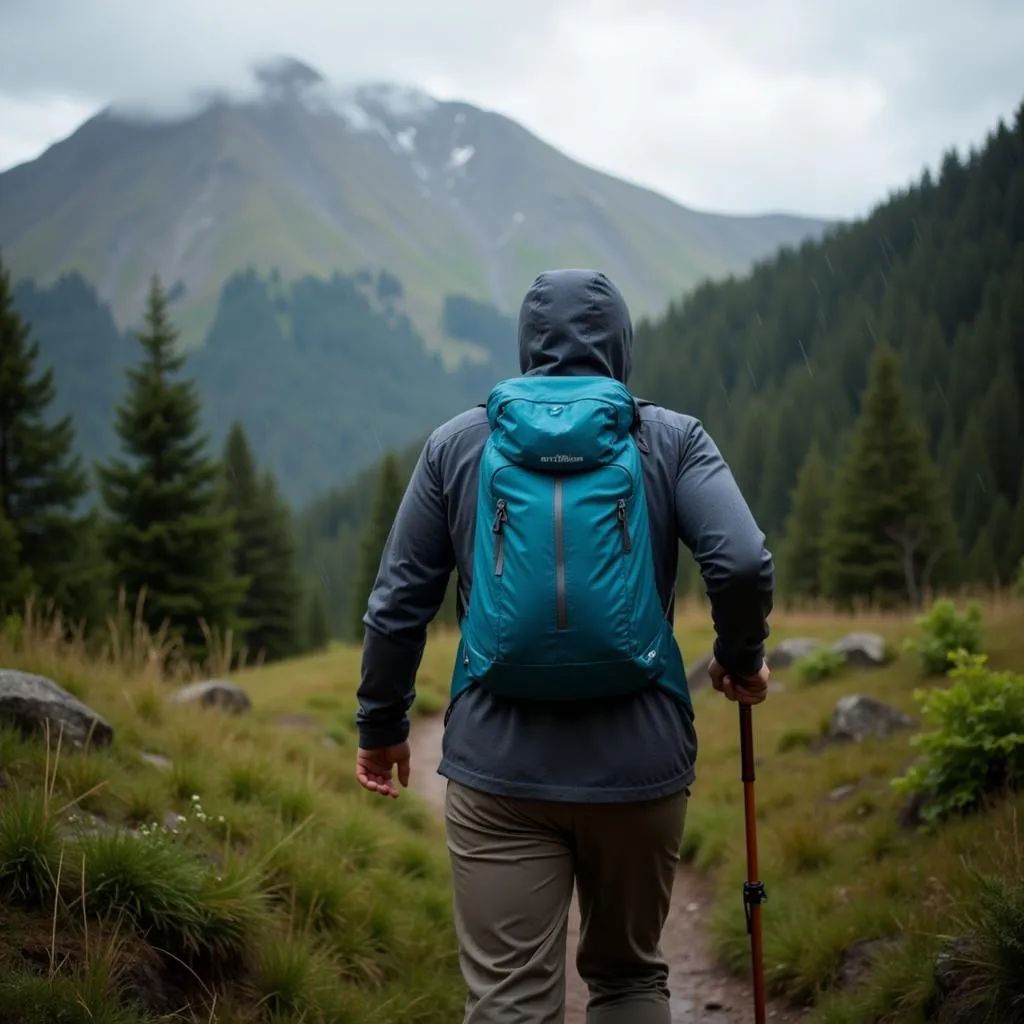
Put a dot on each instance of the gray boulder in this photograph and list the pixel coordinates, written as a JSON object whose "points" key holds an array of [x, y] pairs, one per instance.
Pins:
{"points": [[952, 972], [857, 961], [214, 693], [789, 651], [862, 650], [29, 702], [697, 676], [857, 717]]}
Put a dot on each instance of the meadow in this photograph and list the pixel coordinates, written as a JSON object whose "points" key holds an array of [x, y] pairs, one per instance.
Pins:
{"points": [[212, 867]]}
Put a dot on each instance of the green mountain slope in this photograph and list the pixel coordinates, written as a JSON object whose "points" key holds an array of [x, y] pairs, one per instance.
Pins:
{"points": [[325, 374], [310, 179]]}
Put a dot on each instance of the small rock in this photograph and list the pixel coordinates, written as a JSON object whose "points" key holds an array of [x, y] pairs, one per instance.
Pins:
{"points": [[77, 824], [862, 650], [157, 761], [329, 742], [951, 1004], [857, 717], [29, 702], [842, 792], [857, 959], [215, 693], [910, 815], [789, 651], [693, 907], [714, 1003], [951, 964]]}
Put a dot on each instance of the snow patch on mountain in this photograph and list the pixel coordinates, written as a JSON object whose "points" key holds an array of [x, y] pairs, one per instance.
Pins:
{"points": [[460, 156]]}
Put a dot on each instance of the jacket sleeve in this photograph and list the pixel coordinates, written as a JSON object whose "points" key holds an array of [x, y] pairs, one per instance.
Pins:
{"points": [[415, 567], [716, 524]]}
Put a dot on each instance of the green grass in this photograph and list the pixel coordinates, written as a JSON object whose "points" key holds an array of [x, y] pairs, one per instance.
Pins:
{"points": [[253, 881], [839, 871]]}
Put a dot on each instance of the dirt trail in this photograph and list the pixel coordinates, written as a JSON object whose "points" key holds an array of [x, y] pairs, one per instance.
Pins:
{"points": [[701, 992]]}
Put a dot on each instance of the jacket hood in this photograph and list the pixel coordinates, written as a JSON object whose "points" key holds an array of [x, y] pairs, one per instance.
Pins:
{"points": [[575, 323]]}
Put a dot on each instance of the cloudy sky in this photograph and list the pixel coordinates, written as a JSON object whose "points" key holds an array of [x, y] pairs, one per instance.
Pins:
{"points": [[815, 106]]}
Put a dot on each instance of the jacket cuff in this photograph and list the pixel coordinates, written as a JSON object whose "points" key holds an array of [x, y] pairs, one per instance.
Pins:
{"points": [[383, 734], [744, 662]]}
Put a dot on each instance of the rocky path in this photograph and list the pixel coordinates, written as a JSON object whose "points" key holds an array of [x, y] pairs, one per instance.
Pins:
{"points": [[701, 992]]}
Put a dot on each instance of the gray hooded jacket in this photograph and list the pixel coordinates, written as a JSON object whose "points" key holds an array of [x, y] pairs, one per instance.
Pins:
{"points": [[623, 749]]}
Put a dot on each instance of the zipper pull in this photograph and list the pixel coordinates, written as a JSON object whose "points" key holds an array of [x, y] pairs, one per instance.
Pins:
{"points": [[501, 516], [627, 543]]}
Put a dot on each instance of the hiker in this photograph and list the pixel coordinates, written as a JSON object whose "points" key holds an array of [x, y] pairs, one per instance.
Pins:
{"points": [[569, 743]]}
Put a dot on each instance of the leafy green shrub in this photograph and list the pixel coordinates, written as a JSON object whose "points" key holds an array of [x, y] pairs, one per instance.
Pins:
{"points": [[818, 665], [945, 631], [977, 746]]}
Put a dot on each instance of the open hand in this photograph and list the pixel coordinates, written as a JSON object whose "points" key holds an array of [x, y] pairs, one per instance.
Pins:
{"points": [[745, 689], [374, 769]]}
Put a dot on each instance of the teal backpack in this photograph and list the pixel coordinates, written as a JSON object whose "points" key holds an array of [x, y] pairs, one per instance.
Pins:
{"points": [[564, 604]]}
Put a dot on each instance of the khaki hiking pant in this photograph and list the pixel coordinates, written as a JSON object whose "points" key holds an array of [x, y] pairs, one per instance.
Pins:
{"points": [[514, 863]]}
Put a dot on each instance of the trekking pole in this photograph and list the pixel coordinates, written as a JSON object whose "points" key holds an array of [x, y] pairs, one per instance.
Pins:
{"points": [[753, 889]]}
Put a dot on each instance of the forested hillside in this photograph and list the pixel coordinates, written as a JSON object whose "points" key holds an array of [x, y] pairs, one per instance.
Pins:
{"points": [[325, 374], [778, 361], [778, 364], [198, 545]]}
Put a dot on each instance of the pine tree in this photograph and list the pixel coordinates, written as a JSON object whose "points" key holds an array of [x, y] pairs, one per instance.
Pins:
{"points": [[1016, 537], [41, 478], [281, 628], [803, 543], [318, 631], [982, 564], [167, 530], [890, 533], [265, 554], [387, 498], [15, 579], [1000, 530]]}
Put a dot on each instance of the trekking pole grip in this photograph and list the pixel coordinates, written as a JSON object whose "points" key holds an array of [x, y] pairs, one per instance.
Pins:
{"points": [[747, 743]]}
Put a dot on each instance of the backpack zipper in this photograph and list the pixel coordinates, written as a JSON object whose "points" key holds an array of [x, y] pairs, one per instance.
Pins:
{"points": [[500, 518], [627, 543], [562, 613]]}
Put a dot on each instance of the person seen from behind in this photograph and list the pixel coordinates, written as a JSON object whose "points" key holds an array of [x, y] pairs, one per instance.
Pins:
{"points": [[569, 746]]}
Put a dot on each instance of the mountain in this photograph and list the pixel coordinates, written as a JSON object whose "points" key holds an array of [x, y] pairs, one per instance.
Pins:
{"points": [[306, 178]]}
